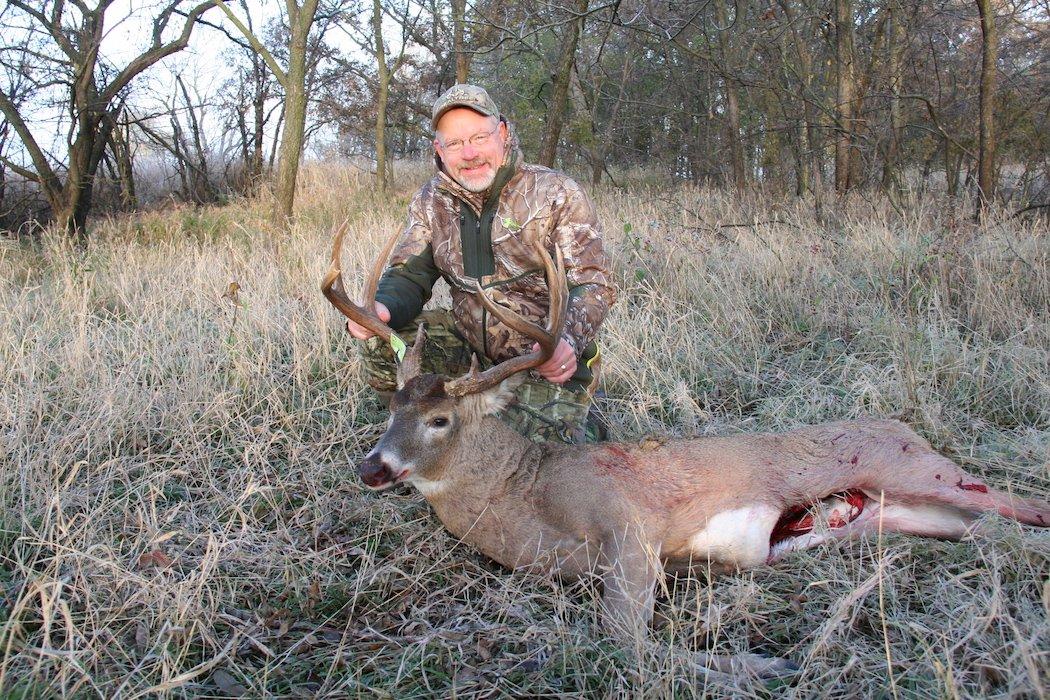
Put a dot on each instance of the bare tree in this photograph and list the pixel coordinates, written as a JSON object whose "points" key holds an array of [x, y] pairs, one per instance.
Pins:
{"points": [[894, 77], [736, 147], [986, 151], [70, 40], [845, 93], [249, 103], [387, 65], [386, 71], [122, 149], [292, 78], [560, 83]]}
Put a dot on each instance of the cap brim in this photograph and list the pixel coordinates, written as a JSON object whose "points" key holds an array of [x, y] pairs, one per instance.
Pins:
{"points": [[437, 117]]}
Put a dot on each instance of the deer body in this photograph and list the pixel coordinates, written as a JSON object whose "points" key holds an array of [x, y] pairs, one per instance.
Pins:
{"points": [[629, 511]]}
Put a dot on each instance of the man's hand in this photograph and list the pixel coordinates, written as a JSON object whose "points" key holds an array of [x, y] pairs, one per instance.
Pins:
{"points": [[362, 333], [562, 365]]}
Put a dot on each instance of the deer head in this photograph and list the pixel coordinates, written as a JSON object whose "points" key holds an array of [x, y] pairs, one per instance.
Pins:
{"points": [[429, 412]]}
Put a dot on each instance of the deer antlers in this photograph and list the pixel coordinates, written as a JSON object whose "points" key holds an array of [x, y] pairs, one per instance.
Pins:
{"points": [[332, 286], [473, 381]]}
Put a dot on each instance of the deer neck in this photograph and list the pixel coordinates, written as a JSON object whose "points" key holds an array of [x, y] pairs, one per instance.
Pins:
{"points": [[488, 461]]}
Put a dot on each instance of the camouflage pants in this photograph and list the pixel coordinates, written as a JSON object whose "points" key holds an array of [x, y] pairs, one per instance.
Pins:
{"points": [[542, 412]]}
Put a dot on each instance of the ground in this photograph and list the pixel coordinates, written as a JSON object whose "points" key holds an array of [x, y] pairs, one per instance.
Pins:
{"points": [[181, 413]]}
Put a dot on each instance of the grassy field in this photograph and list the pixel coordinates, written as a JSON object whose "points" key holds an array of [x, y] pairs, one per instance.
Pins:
{"points": [[181, 517]]}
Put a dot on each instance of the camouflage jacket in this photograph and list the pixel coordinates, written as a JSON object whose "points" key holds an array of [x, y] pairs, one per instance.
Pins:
{"points": [[461, 236]]}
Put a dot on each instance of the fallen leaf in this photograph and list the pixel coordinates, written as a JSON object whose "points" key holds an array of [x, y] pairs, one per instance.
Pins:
{"points": [[154, 558], [228, 684], [141, 637], [313, 595], [231, 292]]}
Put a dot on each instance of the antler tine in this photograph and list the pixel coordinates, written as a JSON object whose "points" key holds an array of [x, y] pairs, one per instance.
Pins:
{"points": [[547, 338], [369, 294], [412, 364], [332, 286]]}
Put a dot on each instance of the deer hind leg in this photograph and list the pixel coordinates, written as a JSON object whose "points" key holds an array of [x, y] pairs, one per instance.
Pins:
{"points": [[929, 496], [925, 520], [936, 480]]}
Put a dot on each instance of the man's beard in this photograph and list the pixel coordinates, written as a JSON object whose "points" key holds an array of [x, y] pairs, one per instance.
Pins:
{"points": [[479, 183]]}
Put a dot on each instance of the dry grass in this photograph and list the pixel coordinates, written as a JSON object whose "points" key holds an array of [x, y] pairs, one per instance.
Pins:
{"points": [[180, 515]]}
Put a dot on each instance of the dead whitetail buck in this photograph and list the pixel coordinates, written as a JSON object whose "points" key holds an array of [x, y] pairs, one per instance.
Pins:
{"points": [[626, 510]]}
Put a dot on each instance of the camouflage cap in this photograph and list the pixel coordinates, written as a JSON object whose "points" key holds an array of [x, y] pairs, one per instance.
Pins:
{"points": [[464, 95]]}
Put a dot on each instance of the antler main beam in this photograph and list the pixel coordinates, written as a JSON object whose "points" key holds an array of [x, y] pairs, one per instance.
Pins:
{"points": [[332, 286], [547, 338]]}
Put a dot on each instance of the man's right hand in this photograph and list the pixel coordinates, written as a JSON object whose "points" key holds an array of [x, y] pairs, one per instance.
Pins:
{"points": [[362, 333]]}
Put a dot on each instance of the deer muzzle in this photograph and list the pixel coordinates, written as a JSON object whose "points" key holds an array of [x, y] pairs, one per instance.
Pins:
{"points": [[375, 471]]}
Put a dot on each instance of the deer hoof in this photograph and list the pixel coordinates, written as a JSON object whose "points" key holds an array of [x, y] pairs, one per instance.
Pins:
{"points": [[767, 666], [747, 665]]}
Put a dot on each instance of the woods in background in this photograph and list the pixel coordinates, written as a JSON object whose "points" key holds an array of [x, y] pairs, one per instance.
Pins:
{"points": [[811, 99]]}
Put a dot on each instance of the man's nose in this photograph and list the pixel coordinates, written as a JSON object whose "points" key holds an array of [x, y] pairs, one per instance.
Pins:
{"points": [[469, 151]]}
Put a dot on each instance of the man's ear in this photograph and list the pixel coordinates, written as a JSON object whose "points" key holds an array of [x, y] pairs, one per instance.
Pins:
{"points": [[492, 401]]}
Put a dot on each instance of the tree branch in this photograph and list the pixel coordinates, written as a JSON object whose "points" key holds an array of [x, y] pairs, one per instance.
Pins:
{"points": [[271, 62], [156, 52], [19, 170], [45, 174]]}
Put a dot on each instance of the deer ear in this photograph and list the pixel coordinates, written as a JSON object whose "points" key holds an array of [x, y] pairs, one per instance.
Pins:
{"points": [[492, 401]]}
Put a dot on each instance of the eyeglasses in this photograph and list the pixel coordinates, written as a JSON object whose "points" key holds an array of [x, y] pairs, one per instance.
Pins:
{"points": [[477, 141]]}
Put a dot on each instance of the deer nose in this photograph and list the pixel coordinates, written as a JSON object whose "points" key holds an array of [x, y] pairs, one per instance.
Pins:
{"points": [[374, 471]]}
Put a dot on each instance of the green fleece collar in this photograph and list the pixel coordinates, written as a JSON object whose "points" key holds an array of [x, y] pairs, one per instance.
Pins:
{"points": [[503, 176]]}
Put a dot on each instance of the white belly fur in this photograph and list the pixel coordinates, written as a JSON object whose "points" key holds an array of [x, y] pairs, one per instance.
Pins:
{"points": [[737, 537]]}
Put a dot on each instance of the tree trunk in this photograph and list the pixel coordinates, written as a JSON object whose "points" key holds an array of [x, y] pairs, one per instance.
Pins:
{"points": [[736, 147], [121, 147], [381, 97], [986, 152], [951, 173], [605, 141], [891, 183], [4, 127], [201, 188], [300, 20], [72, 202], [560, 90], [801, 149], [844, 82], [259, 114], [178, 150], [458, 41]]}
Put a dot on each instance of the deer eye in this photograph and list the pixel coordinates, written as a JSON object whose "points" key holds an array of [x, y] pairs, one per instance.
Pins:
{"points": [[439, 422]]}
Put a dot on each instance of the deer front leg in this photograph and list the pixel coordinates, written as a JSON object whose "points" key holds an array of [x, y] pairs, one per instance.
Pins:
{"points": [[632, 566], [632, 569]]}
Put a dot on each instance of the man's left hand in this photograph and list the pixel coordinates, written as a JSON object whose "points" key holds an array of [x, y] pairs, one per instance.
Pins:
{"points": [[562, 365]]}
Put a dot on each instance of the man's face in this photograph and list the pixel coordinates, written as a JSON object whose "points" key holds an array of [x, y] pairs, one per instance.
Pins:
{"points": [[470, 163]]}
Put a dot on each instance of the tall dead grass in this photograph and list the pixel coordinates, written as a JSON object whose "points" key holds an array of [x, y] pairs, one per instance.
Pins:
{"points": [[180, 515]]}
